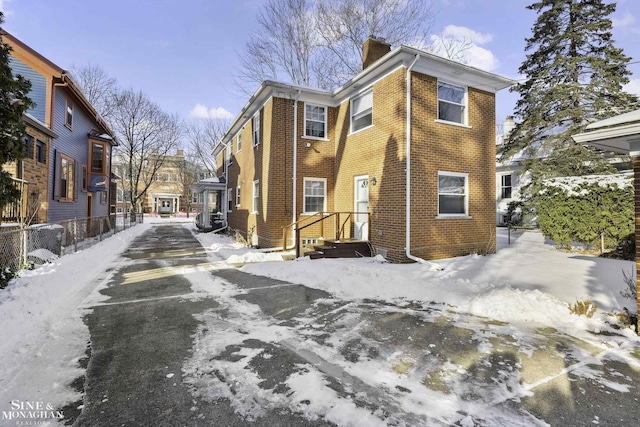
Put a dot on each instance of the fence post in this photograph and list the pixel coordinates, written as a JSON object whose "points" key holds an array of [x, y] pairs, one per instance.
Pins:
{"points": [[24, 249], [75, 234], [297, 242], [101, 226]]}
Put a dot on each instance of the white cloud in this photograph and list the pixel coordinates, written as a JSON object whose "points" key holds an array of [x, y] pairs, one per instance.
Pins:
{"points": [[201, 111], [459, 33], [464, 44], [633, 87], [626, 20]]}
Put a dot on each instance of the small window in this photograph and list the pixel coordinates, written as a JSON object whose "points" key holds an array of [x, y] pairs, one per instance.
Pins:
{"points": [[315, 190], [239, 143], [229, 151], [315, 121], [68, 121], [256, 129], [28, 143], [119, 195], [452, 103], [256, 196], [84, 178], [41, 152], [238, 196], [362, 111], [97, 158], [103, 197], [452, 193], [194, 197], [506, 186], [229, 199]]}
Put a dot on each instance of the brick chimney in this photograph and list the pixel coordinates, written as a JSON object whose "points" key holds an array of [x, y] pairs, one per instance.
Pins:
{"points": [[372, 50]]}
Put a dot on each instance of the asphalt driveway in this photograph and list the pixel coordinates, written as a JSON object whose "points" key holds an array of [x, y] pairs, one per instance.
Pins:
{"points": [[152, 359]]}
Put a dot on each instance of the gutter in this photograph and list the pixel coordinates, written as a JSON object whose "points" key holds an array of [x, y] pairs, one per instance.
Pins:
{"points": [[408, 177]]}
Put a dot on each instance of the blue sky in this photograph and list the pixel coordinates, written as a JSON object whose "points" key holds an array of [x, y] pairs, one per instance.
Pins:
{"points": [[182, 53]]}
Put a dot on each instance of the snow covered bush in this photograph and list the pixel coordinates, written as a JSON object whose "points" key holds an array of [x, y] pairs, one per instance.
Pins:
{"points": [[584, 209]]}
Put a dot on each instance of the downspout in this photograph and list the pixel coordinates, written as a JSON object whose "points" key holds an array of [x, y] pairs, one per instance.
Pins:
{"points": [[408, 176], [294, 216]]}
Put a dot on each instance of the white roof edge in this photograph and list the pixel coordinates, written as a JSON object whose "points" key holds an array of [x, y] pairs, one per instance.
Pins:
{"points": [[262, 94], [632, 116]]}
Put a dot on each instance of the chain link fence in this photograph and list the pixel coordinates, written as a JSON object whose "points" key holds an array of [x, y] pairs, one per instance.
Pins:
{"points": [[38, 244]]}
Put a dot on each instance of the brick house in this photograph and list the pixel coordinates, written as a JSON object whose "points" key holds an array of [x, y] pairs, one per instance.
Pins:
{"points": [[66, 137], [295, 156]]}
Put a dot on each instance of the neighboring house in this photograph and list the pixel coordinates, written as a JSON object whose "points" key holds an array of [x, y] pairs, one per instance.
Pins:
{"points": [[72, 140], [295, 155], [510, 180], [31, 175], [165, 194], [620, 134]]}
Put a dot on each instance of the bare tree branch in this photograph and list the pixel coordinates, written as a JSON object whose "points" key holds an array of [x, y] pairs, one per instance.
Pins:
{"points": [[96, 86]]}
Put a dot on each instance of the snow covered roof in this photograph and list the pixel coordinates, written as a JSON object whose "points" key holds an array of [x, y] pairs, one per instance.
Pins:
{"points": [[212, 184], [620, 134]]}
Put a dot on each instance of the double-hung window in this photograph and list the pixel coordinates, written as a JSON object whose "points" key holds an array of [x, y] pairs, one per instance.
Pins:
{"points": [[238, 196], [65, 178], [362, 111], [68, 119], [256, 196], [315, 190], [28, 143], [452, 102], [256, 129], [452, 193], [315, 121], [229, 199], [41, 152], [239, 143], [506, 186]]}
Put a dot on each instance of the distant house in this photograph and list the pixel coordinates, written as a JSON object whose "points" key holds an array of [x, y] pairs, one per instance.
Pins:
{"points": [[66, 136], [165, 193], [402, 156], [510, 180]]}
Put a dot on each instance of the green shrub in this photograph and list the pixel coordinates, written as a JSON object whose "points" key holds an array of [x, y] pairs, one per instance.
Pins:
{"points": [[584, 210]]}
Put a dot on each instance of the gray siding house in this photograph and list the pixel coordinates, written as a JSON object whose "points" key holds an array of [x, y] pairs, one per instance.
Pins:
{"points": [[80, 166]]}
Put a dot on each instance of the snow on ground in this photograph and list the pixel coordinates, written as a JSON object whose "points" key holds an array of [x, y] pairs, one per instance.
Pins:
{"points": [[527, 282]]}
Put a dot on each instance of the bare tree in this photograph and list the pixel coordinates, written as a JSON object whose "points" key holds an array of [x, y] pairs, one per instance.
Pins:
{"points": [[147, 135], [202, 136], [283, 45], [344, 25], [318, 43], [189, 173], [97, 86]]}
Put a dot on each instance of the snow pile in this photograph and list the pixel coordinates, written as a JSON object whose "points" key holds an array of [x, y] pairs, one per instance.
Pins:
{"points": [[42, 333]]}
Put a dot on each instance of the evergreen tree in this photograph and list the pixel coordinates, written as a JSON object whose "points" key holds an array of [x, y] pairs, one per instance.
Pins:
{"points": [[14, 102], [574, 75]]}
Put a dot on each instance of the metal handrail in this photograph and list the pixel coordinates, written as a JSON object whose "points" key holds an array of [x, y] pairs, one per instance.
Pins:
{"points": [[322, 217]]}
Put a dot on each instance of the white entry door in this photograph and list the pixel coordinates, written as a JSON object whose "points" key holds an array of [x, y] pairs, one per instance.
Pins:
{"points": [[361, 205]]}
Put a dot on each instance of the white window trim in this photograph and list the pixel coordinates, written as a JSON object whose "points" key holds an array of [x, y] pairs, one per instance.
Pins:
{"points": [[238, 196], [502, 186], [239, 142], [465, 105], [466, 196], [255, 197], [360, 95], [304, 195], [326, 112], [256, 129], [229, 199]]}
